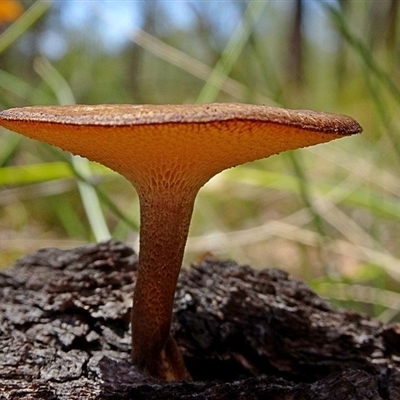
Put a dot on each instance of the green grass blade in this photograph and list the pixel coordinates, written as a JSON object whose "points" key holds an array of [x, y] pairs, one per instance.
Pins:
{"points": [[87, 192], [29, 174], [363, 51], [367, 199], [36, 173], [305, 191], [102, 195], [9, 146], [231, 52]]}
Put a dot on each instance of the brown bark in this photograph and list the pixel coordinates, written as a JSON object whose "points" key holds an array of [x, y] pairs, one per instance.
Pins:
{"points": [[245, 334]]}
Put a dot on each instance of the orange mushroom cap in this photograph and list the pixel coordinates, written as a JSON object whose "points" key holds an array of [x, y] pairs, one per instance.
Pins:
{"points": [[10, 10], [182, 144]]}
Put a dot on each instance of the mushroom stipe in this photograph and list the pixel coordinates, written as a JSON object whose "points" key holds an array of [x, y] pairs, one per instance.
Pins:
{"points": [[168, 152]]}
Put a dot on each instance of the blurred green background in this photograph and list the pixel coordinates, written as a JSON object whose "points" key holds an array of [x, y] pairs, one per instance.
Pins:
{"points": [[329, 214]]}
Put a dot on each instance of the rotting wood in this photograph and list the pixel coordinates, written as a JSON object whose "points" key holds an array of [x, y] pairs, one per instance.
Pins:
{"points": [[245, 334]]}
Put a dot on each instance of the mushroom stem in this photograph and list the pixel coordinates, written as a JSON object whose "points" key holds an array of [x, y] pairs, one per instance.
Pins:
{"points": [[165, 219]]}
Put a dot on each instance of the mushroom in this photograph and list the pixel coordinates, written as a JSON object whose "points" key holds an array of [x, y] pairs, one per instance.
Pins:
{"points": [[168, 152], [10, 10]]}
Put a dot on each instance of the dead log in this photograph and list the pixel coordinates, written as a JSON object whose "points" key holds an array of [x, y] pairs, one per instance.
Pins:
{"points": [[245, 334]]}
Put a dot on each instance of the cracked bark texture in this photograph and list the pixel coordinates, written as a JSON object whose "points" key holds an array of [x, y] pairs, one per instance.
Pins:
{"points": [[244, 334]]}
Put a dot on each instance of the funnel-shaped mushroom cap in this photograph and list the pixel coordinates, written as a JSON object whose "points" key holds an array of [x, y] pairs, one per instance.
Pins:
{"points": [[182, 144]]}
